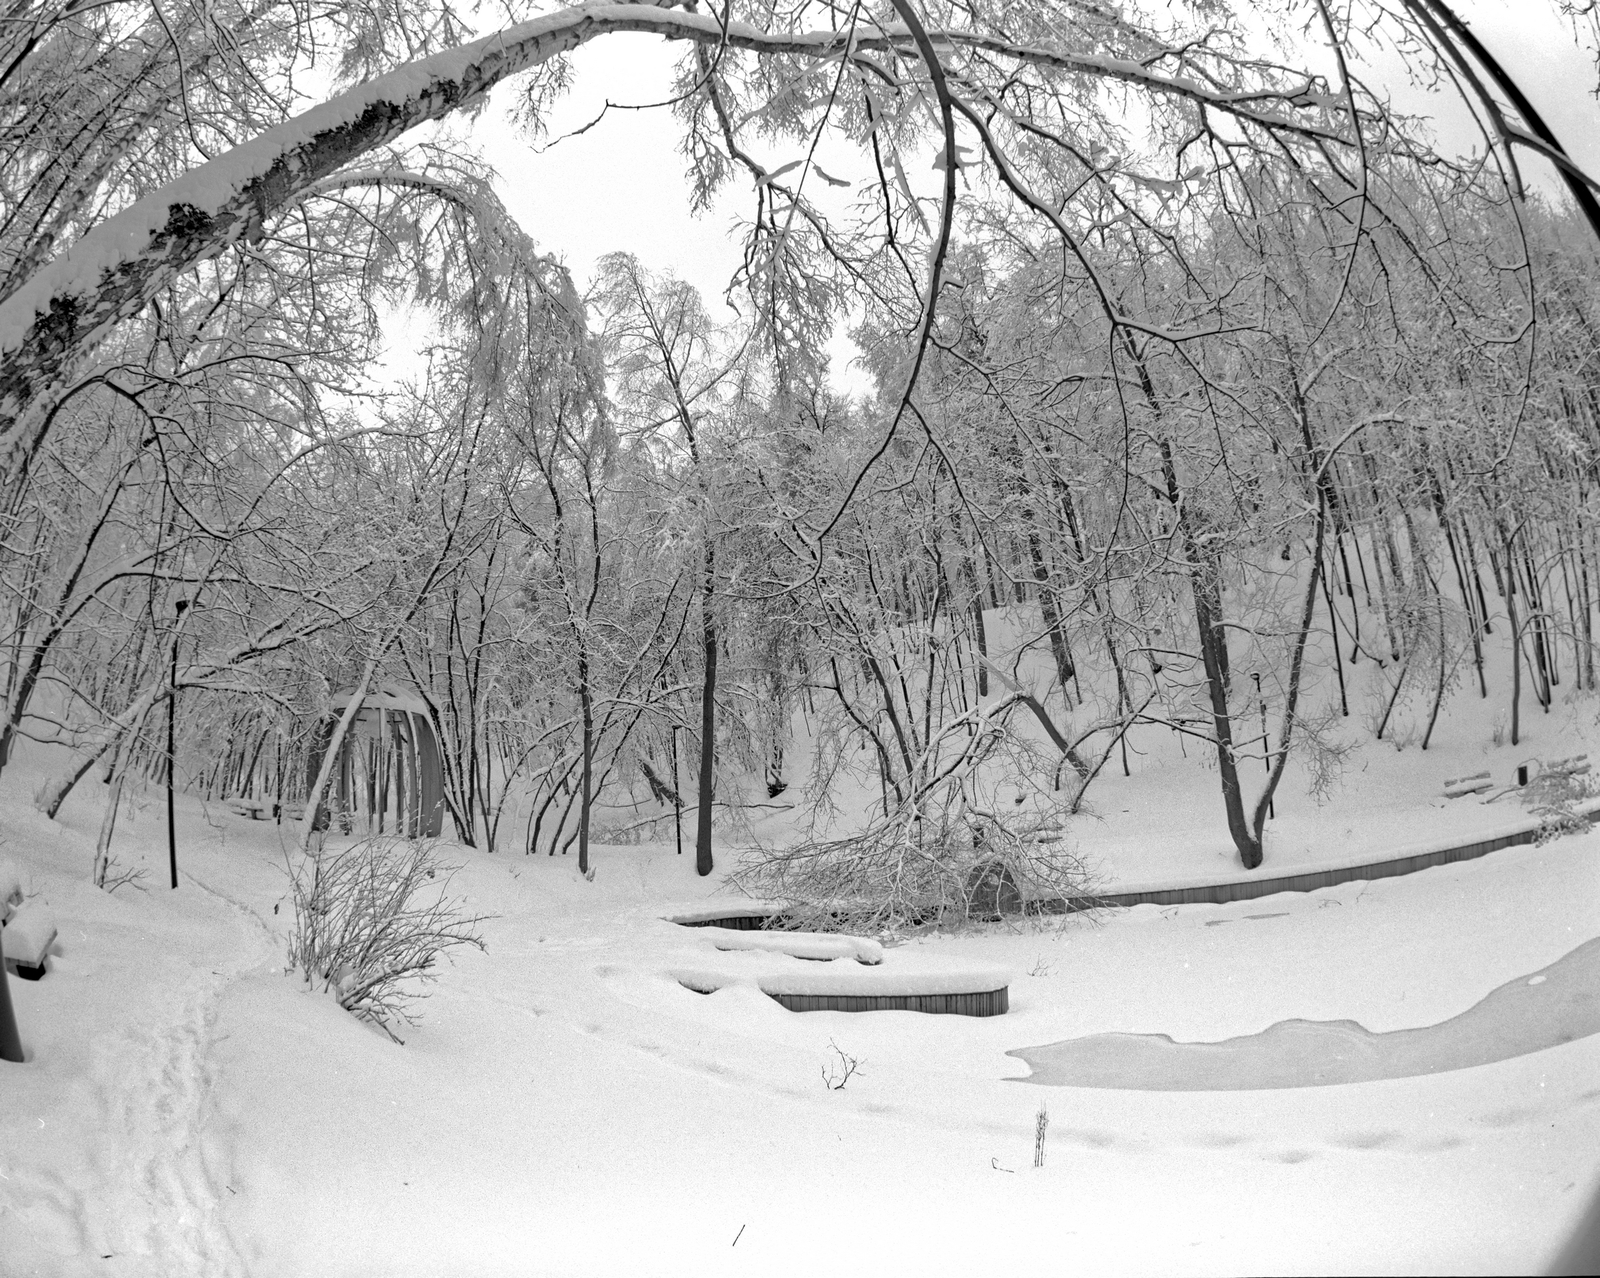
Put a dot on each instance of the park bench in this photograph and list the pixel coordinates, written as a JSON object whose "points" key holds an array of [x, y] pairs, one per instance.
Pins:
{"points": [[264, 809], [26, 931], [1459, 786]]}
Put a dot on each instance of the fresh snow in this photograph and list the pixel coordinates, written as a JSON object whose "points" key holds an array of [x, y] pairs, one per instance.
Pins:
{"points": [[566, 1106]]}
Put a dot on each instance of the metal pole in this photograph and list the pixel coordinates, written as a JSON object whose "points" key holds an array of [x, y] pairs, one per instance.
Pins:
{"points": [[10, 1040], [172, 755], [1266, 746]]}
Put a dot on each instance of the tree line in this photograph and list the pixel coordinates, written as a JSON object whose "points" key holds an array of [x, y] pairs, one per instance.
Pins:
{"points": [[1209, 398]]}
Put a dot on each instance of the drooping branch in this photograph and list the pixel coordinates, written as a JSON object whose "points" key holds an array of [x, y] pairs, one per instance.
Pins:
{"points": [[115, 269]]}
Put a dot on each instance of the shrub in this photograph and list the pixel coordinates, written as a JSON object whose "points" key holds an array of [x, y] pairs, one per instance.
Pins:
{"points": [[370, 922], [1553, 796]]}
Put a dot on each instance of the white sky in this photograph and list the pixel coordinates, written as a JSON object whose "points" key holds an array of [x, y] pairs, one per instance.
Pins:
{"points": [[621, 184]]}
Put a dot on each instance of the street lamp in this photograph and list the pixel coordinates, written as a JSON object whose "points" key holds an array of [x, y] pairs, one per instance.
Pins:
{"points": [[172, 756]]}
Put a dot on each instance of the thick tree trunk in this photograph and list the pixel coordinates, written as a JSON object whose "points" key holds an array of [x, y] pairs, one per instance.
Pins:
{"points": [[1214, 653], [708, 723], [588, 762], [1516, 655], [102, 847], [1050, 613]]}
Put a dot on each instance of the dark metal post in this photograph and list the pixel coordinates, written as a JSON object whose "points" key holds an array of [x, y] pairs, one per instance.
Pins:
{"points": [[172, 756], [10, 1041], [1266, 746]]}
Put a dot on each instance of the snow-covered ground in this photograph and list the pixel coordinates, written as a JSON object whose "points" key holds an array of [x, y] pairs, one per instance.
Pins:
{"points": [[565, 1106]]}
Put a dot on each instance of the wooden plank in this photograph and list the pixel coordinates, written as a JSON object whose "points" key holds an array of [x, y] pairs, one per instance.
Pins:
{"points": [[735, 922], [985, 1003]]}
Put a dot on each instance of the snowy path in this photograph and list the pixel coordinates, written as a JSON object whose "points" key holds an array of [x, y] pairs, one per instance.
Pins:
{"points": [[112, 1172], [153, 1088]]}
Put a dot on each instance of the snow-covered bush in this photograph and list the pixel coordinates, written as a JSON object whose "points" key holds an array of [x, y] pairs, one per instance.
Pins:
{"points": [[370, 922], [912, 870], [1554, 794]]}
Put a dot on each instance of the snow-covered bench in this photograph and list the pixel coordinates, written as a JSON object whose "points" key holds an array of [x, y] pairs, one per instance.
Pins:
{"points": [[27, 938], [254, 809], [10, 890], [1459, 787]]}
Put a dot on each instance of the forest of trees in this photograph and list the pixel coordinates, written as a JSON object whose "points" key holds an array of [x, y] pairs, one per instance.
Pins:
{"points": [[1205, 362]]}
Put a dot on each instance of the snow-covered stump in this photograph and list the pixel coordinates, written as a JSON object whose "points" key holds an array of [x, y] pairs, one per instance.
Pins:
{"points": [[28, 938]]}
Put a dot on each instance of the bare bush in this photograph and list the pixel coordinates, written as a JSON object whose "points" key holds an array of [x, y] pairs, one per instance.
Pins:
{"points": [[836, 1073], [371, 920]]}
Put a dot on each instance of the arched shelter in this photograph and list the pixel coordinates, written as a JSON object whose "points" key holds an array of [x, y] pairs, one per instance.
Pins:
{"points": [[388, 777]]}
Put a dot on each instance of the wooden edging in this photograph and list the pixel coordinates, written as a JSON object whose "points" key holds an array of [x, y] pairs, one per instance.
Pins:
{"points": [[733, 922], [986, 1003], [1249, 889], [1240, 889], [983, 1003]]}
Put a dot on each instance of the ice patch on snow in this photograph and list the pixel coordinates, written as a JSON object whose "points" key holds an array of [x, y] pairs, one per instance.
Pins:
{"points": [[1552, 1007]]}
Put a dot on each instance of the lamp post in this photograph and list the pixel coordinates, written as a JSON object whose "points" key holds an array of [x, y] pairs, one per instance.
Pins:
{"points": [[172, 756]]}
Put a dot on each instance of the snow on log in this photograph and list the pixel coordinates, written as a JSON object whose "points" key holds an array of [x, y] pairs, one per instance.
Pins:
{"points": [[703, 914], [802, 945], [901, 974]]}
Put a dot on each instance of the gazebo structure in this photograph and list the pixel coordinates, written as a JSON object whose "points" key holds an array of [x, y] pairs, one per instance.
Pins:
{"points": [[388, 777]]}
